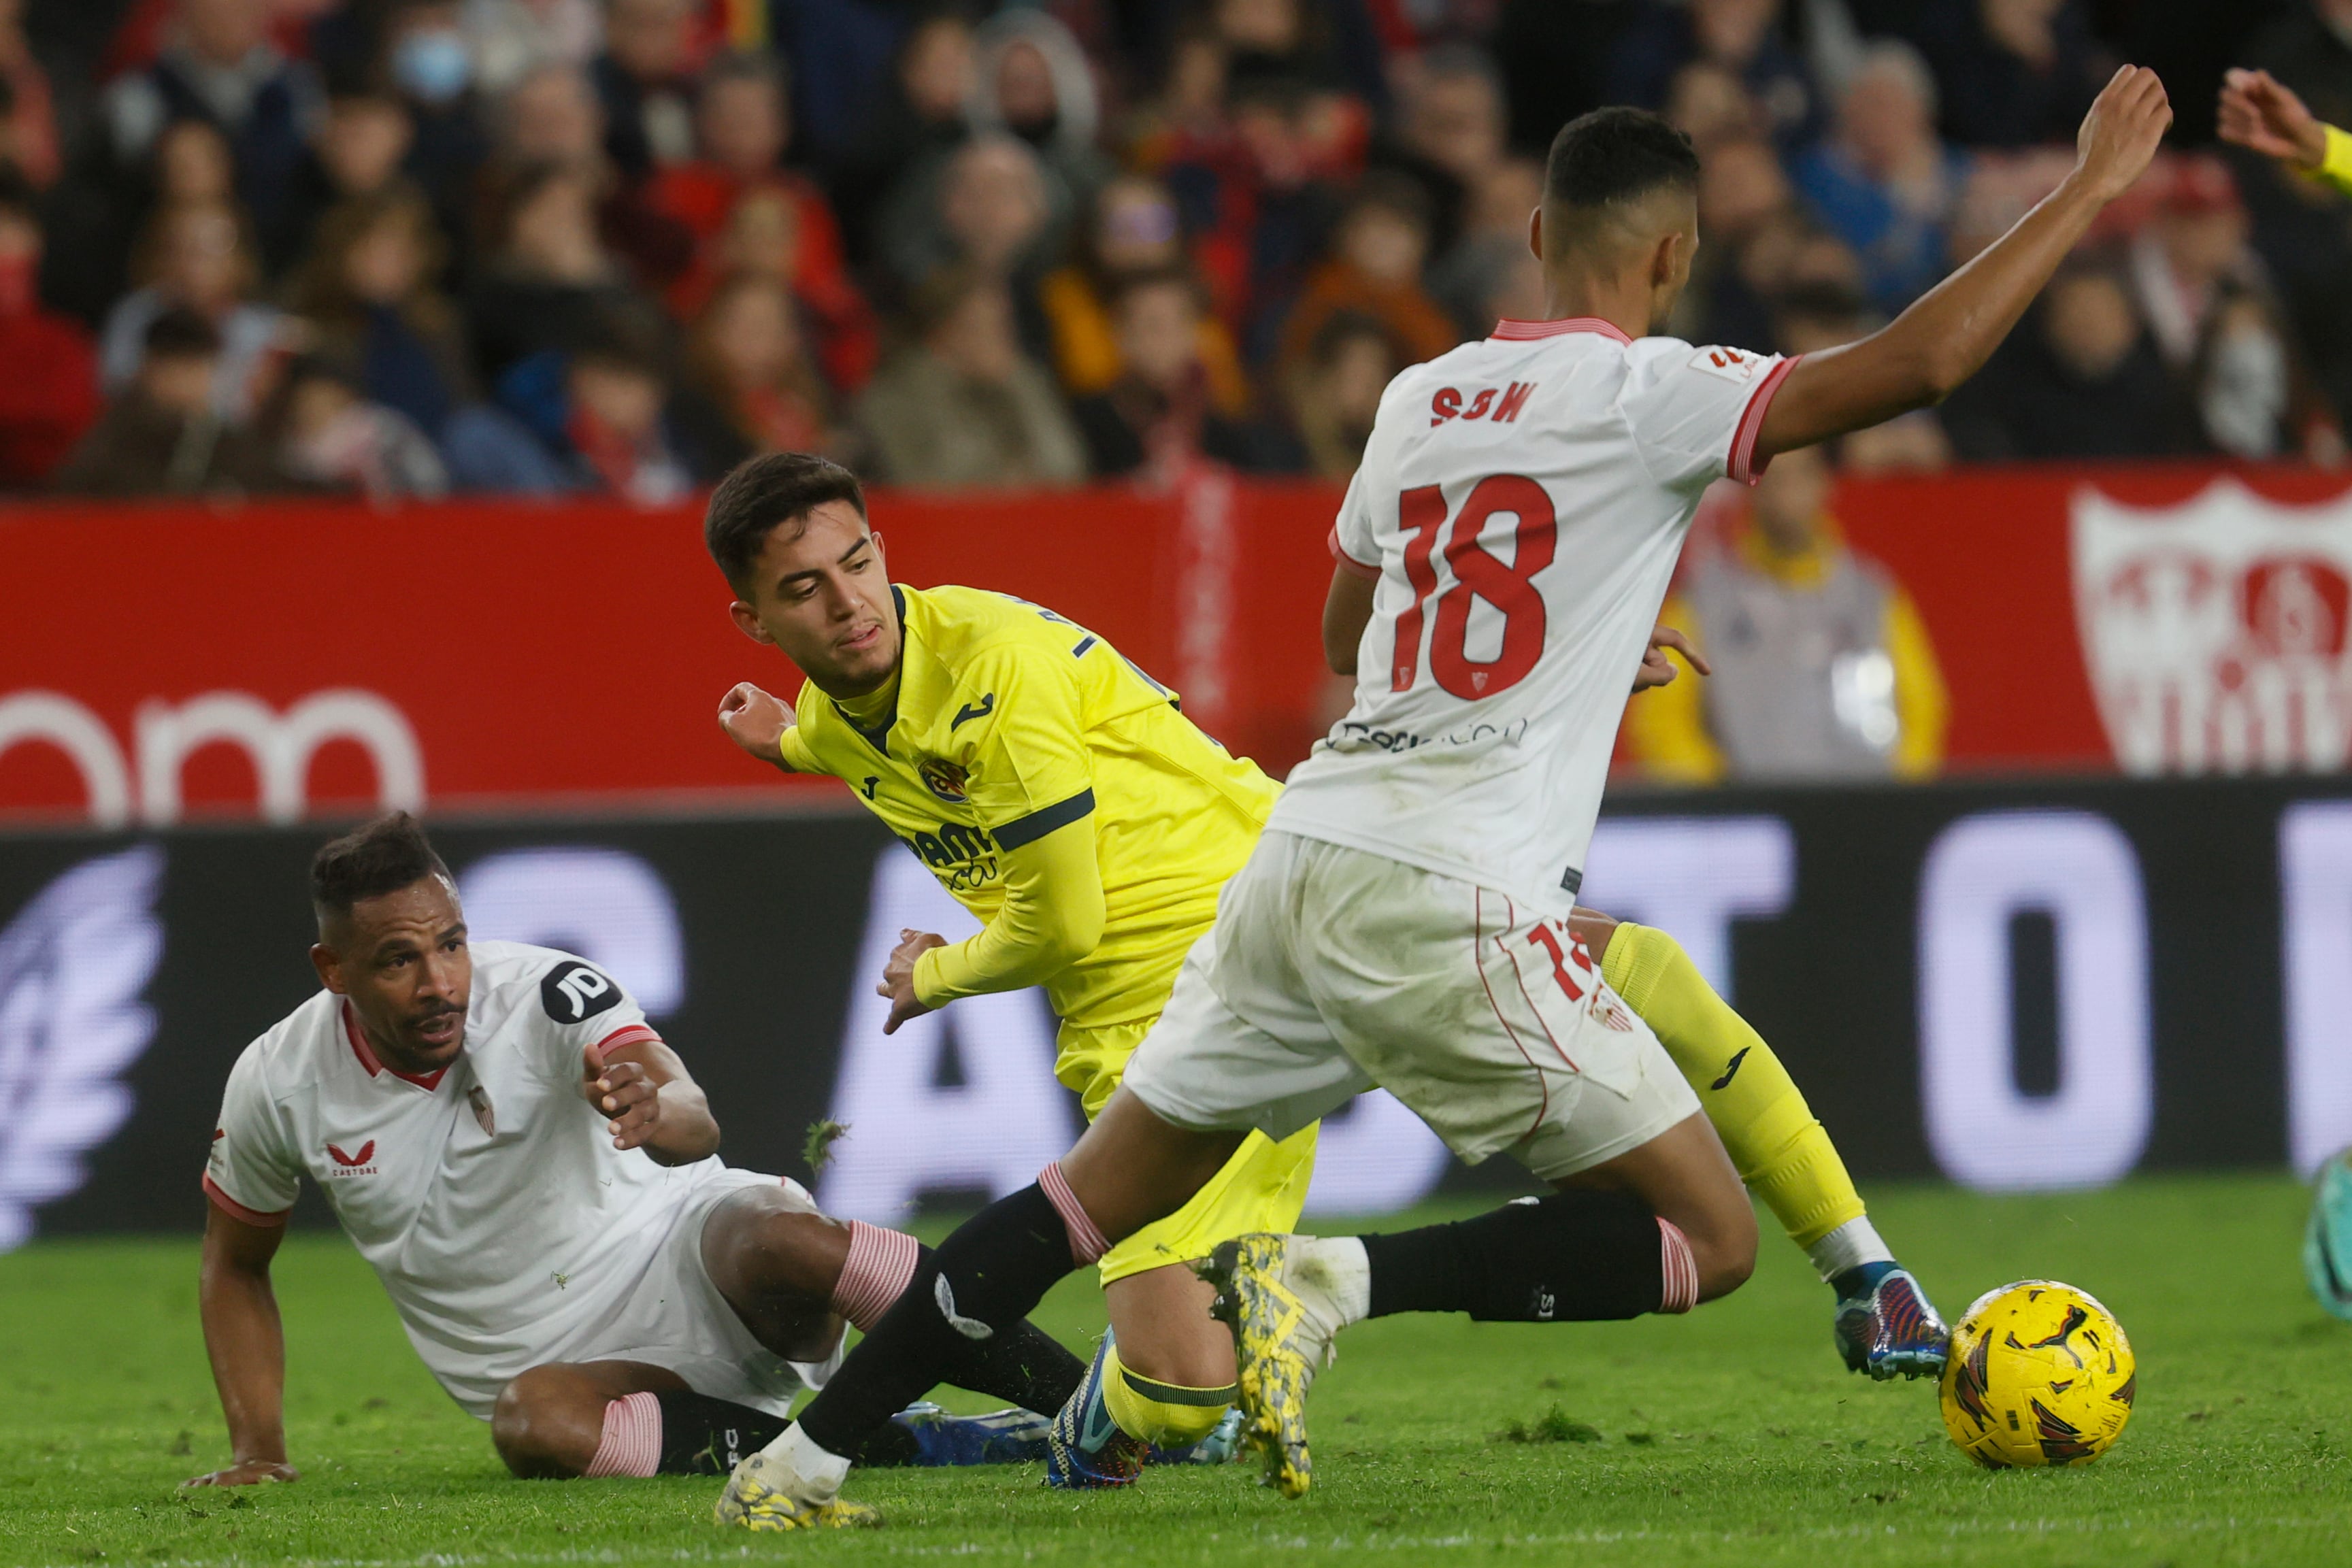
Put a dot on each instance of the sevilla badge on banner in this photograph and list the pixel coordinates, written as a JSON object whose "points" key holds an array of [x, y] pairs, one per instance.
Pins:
{"points": [[2214, 630]]}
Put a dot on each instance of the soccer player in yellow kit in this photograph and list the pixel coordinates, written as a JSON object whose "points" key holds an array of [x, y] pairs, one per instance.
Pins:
{"points": [[1060, 794]]}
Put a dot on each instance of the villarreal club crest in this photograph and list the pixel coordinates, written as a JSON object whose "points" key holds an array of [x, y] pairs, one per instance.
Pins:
{"points": [[2039, 1373]]}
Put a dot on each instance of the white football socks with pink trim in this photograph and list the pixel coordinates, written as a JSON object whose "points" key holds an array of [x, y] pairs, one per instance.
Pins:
{"points": [[633, 1438]]}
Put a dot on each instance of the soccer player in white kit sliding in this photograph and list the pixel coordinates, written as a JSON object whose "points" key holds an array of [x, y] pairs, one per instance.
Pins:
{"points": [[531, 1172], [1404, 918]]}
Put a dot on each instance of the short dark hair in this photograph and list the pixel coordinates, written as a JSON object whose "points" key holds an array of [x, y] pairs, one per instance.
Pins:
{"points": [[181, 333], [19, 197], [371, 860], [1615, 155], [763, 494]]}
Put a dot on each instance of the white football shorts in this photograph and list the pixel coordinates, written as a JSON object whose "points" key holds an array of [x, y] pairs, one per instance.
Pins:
{"points": [[1330, 970], [675, 1317]]}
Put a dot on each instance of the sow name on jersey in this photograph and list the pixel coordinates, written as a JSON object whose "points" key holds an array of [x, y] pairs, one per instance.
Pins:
{"points": [[1500, 405], [1355, 735]]}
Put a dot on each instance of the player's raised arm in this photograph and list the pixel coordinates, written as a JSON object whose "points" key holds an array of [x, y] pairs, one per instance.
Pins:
{"points": [[246, 1346], [756, 721], [1945, 338]]}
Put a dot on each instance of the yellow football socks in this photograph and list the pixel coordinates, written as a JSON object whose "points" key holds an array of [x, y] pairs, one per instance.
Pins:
{"points": [[1165, 1414], [1782, 1152]]}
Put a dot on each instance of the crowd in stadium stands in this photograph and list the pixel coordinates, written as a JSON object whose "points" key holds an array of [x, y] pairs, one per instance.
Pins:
{"points": [[414, 246]]}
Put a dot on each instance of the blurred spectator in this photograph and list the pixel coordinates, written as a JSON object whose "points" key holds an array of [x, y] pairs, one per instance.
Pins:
{"points": [[1492, 274], [367, 291], [616, 423], [433, 69], [990, 206], [1913, 443], [1260, 203], [218, 65], [1450, 139], [1375, 271], [1711, 105], [1334, 392], [549, 279], [1328, 45], [916, 121], [1030, 79], [1742, 36], [1823, 666], [1158, 411], [1882, 182], [552, 116], [359, 149], [1556, 63], [2202, 294], [644, 77], [1742, 192], [1133, 234], [28, 119], [755, 375], [2013, 72], [748, 214], [509, 38], [196, 256], [330, 437], [164, 434], [2085, 381], [964, 405], [49, 372]]}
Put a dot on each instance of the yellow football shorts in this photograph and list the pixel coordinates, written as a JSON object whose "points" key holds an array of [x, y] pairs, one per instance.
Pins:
{"points": [[1262, 1187]]}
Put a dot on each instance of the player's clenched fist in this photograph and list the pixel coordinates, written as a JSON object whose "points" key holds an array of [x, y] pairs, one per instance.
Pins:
{"points": [[2120, 136], [251, 1472], [899, 976], [756, 721], [624, 1092]]}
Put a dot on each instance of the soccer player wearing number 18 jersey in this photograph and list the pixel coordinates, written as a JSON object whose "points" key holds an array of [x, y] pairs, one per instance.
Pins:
{"points": [[1396, 922]]}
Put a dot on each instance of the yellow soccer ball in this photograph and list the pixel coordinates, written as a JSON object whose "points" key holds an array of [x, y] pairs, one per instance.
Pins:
{"points": [[2039, 1373]]}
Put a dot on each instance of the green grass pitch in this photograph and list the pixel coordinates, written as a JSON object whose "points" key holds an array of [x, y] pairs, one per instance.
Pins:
{"points": [[1729, 1437]]}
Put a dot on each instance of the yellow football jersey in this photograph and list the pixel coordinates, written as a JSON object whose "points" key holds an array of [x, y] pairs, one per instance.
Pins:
{"points": [[1010, 722]]}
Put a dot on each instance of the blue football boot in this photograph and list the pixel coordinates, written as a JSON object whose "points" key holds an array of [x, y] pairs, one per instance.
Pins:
{"points": [[1086, 1449], [1886, 1326], [2327, 1240], [1013, 1436]]}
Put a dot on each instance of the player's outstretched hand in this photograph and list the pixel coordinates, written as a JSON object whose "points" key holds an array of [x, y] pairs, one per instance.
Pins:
{"points": [[251, 1472], [899, 976], [1657, 670], [2120, 136], [2261, 115], [624, 1092], [756, 721]]}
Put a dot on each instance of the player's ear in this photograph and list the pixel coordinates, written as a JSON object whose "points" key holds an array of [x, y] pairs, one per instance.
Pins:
{"points": [[880, 559], [324, 959], [1535, 232], [747, 620]]}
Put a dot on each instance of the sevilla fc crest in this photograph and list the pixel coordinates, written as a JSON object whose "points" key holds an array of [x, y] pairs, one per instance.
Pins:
{"points": [[2214, 630]]}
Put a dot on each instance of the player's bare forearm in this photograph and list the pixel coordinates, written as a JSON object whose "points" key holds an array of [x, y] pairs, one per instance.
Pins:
{"points": [[652, 1103], [246, 1346], [1946, 336], [1347, 611]]}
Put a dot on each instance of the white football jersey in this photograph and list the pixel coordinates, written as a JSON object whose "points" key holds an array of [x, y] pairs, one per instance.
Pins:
{"points": [[1521, 502], [488, 1196]]}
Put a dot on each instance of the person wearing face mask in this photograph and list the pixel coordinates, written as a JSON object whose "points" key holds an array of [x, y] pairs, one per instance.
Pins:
{"points": [[431, 64], [49, 372]]}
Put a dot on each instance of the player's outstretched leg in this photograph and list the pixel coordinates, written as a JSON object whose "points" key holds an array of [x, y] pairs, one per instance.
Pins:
{"points": [[1885, 1324], [1657, 1229]]}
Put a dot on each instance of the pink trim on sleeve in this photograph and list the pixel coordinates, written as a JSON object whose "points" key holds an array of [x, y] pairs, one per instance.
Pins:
{"points": [[630, 1034], [236, 1210], [1742, 465], [1348, 562]]}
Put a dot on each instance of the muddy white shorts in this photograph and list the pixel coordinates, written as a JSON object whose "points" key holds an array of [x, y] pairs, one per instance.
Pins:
{"points": [[1330, 969], [674, 1317]]}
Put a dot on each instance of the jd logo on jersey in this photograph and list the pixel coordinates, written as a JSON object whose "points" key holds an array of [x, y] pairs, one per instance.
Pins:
{"points": [[573, 992], [943, 779]]}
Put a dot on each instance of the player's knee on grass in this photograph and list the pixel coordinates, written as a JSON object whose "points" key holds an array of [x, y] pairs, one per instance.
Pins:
{"points": [[776, 1264], [547, 1422]]}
